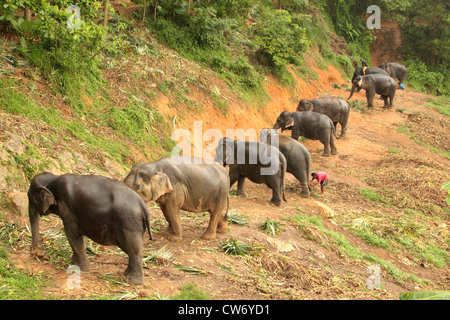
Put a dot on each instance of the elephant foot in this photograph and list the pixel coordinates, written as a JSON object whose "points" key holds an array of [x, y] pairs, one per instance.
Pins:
{"points": [[222, 227], [306, 194], [241, 194], [275, 202], [134, 278], [334, 152], [209, 236], [326, 154], [83, 264], [174, 237]]}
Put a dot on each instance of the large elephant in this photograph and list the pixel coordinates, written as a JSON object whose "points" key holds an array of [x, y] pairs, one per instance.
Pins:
{"points": [[395, 70], [311, 125], [253, 160], [105, 210], [335, 108], [196, 187], [376, 83], [374, 70], [297, 156]]}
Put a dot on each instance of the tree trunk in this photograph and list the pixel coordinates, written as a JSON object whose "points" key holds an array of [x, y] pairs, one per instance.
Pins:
{"points": [[105, 12], [27, 14]]}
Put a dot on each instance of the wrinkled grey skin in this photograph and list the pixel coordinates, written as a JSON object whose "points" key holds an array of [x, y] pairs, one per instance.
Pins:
{"points": [[102, 209], [311, 125], [395, 70], [297, 156], [376, 83], [247, 159], [336, 109], [359, 72], [195, 186]]}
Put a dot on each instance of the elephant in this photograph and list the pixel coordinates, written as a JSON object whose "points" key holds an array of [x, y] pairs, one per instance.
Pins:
{"points": [[376, 83], [297, 156], [335, 108], [196, 186], [256, 161], [311, 125], [374, 70], [100, 208], [395, 70]]}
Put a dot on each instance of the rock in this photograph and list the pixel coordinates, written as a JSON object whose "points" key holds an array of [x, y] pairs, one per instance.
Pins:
{"points": [[19, 202], [279, 245], [14, 145], [113, 167], [324, 210], [3, 173], [319, 254]]}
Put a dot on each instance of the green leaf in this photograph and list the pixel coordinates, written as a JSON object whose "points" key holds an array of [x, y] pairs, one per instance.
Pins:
{"points": [[425, 295]]}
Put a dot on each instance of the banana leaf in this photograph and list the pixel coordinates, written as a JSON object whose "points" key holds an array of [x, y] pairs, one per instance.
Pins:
{"points": [[425, 295]]}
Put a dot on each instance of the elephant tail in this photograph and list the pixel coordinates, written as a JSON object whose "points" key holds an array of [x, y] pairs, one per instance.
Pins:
{"points": [[283, 173], [146, 221], [334, 131], [228, 206]]}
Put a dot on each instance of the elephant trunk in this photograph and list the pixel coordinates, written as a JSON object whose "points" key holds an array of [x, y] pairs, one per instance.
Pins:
{"points": [[34, 222], [351, 93]]}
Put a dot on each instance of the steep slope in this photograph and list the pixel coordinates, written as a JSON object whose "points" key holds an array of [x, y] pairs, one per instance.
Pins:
{"points": [[313, 257]]}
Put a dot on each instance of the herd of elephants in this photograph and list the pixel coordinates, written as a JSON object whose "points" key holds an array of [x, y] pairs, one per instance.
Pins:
{"points": [[111, 212]]}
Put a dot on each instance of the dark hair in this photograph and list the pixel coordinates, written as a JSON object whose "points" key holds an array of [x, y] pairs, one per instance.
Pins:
{"points": [[313, 174]]}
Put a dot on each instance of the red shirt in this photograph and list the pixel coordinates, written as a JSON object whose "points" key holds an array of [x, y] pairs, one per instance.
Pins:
{"points": [[321, 176]]}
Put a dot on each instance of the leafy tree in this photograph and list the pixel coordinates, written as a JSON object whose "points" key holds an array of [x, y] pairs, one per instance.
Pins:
{"points": [[280, 41]]}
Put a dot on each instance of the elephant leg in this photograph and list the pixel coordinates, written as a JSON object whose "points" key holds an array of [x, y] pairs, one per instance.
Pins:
{"points": [[385, 98], [333, 145], [131, 243], [217, 222], [240, 187], [172, 214], [302, 177], [391, 101], [326, 148], [274, 183], [76, 241], [370, 94]]}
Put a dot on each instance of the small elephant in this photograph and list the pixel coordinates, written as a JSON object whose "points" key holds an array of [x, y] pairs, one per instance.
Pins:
{"points": [[395, 70], [359, 72], [336, 109], [311, 125], [297, 156], [376, 83], [184, 183], [256, 161], [103, 209]]}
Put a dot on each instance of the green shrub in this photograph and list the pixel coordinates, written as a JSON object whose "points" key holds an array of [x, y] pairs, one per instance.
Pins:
{"points": [[280, 41]]}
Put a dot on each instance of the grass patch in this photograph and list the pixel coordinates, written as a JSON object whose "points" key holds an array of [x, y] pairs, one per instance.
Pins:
{"points": [[333, 239], [191, 292], [371, 195], [18, 284], [441, 104]]}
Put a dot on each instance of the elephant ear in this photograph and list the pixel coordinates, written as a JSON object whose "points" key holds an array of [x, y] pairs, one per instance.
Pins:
{"points": [[47, 199], [308, 106], [289, 122], [160, 185]]}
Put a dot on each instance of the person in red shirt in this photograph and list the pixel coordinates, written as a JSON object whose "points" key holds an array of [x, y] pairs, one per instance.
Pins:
{"points": [[322, 178]]}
